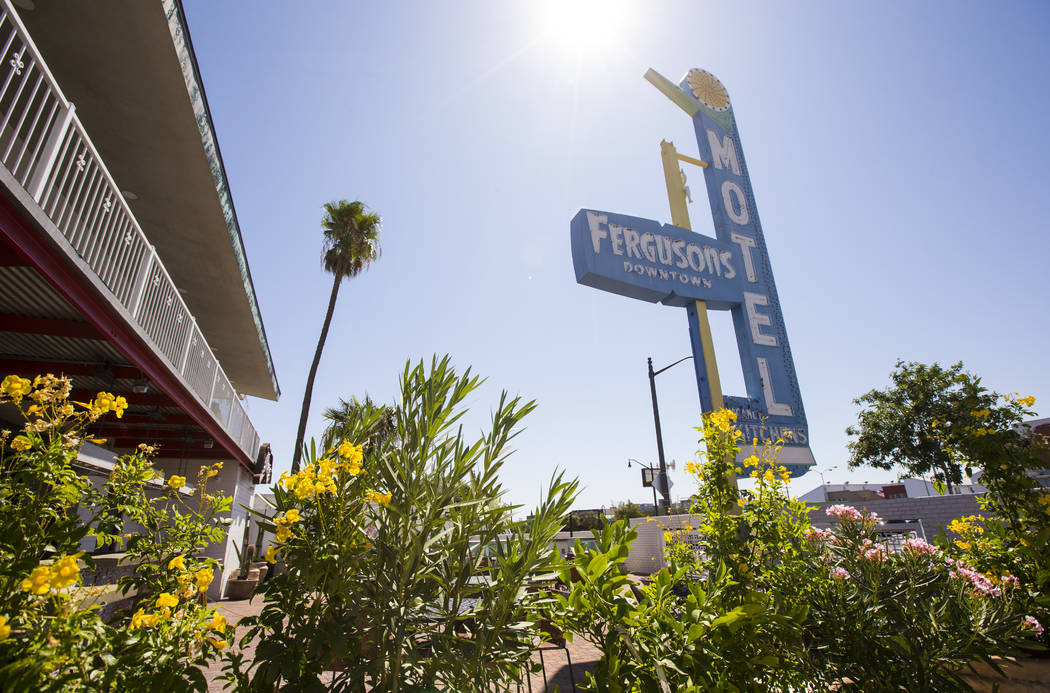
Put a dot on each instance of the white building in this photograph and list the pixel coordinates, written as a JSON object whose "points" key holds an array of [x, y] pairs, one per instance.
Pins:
{"points": [[904, 488], [121, 259]]}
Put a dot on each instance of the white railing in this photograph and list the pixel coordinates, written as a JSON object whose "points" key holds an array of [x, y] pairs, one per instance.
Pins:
{"points": [[44, 146]]}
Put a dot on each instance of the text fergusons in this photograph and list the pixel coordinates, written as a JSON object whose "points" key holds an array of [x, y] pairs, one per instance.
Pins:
{"points": [[642, 259]]}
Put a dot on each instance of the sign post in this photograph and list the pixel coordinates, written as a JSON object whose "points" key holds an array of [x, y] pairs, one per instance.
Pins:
{"points": [[670, 264]]}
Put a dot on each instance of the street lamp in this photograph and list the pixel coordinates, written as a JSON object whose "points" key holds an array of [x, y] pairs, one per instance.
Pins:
{"points": [[665, 490], [829, 470], [823, 484], [656, 508]]}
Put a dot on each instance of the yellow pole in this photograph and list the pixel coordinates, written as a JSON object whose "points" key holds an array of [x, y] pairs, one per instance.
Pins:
{"points": [[680, 217]]}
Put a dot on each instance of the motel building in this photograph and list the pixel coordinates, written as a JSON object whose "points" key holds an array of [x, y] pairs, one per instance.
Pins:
{"points": [[121, 260]]}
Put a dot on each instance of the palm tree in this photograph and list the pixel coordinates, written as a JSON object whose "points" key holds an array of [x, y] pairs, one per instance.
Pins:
{"points": [[351, 244], [362, 421]]}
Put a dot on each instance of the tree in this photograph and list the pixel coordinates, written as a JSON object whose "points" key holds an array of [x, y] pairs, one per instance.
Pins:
{"points": [[918, 422], [351, 244], [626, 510], [348, 418]]}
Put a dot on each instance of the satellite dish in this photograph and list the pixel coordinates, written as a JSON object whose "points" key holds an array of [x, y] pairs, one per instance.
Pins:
{"points": [[671, 465]]}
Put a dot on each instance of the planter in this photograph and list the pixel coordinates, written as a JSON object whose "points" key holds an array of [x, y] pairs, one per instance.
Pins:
{"points": [[241, 589], [263, 567]]}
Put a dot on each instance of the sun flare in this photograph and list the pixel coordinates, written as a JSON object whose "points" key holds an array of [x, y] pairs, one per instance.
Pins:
{"points": [[584, 28]]}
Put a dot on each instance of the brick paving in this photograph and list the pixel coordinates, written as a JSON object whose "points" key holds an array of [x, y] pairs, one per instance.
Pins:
{"points": [[555, 675]]}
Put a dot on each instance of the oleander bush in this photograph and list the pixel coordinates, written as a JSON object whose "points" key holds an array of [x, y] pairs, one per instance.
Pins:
{"points": [[762, 601], [52, 635], [403, 567]]}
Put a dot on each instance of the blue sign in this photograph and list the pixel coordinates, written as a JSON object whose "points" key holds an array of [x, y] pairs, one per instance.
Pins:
{"points": [[655, 262]]}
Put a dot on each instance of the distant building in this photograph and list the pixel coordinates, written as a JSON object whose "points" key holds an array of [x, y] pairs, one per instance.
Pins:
{"points": [[905, 488]]}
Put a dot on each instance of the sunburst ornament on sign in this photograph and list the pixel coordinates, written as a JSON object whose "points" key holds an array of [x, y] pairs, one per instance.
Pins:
{"points": [[709, 90]]}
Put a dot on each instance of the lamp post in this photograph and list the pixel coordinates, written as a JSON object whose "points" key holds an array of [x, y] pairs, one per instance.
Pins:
{"points": [[823, 484], [665, 491], [656, 508]]}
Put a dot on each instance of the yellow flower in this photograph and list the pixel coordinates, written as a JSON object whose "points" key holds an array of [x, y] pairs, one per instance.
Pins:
{"points": [[271, 554], [141, 618], [218, 622], [5, 630], [203, 578], [667, 536], [649, 519], [378, 497], [39, 581], [218, 642], [21, 443], [1027, 401], [283, 533], [119, 405], [723, 419], [176, 482], [177, 563], [15, 387], [104, 402], [292, 516], [349, 452], [64, 572], [166, 600]]}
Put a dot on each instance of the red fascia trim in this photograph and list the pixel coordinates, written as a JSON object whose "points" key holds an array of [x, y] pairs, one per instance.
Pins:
{"points": [[152, 399], [118, 430], [49, 326], [215, 453], [168, 420], [29, 368], [96, 310]]}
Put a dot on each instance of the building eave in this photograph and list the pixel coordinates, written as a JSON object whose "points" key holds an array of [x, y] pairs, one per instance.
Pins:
{"points": [[130, 69]]}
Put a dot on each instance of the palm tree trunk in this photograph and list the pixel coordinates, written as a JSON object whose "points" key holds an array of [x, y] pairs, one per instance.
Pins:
{"points": [[297, 452]]}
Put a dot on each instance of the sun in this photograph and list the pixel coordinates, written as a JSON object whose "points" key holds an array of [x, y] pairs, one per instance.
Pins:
{"points": [[584, 28]]}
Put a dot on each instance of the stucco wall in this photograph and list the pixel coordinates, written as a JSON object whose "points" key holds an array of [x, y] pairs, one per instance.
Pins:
{"points": [[646, 554]]}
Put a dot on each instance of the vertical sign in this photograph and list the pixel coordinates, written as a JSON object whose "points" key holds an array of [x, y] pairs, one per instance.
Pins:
{"points": [[645, 260], [773, 406]]}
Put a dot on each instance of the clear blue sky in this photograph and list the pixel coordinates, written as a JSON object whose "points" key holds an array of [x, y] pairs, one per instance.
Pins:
{"points": [[897, 151]]}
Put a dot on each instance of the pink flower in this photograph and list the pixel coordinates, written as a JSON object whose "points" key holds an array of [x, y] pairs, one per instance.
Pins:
{"points": [[873, 518], [920, 546], [1011, 580], [816, 534], [978, 581], [1032, 624], [875, 553], [840, 573], [843, 513]]}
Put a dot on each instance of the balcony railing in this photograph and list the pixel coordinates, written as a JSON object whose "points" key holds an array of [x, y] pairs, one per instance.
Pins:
{"points": [[44, 146]]}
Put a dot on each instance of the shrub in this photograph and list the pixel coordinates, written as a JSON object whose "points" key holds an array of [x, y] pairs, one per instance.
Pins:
{"points": [[763, 601], [404, 569], [52, 636]]}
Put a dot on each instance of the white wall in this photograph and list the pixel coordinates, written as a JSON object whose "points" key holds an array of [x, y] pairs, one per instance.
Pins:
{"points": [[235, 481], [646, 555]]}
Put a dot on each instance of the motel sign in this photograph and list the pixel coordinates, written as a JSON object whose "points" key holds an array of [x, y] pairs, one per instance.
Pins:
{"points": [[672, 265]]}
